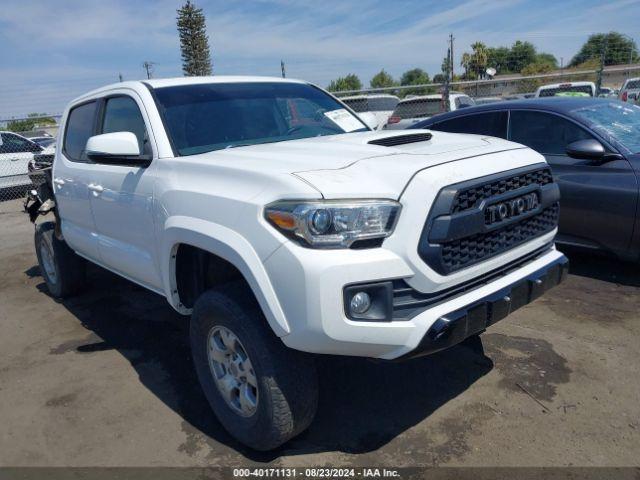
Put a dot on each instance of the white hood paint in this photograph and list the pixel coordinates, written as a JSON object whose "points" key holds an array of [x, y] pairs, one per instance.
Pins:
{"points": [[346, 166]]}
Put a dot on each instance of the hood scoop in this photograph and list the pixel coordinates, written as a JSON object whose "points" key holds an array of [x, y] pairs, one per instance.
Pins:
{"points": [[402, 139]]}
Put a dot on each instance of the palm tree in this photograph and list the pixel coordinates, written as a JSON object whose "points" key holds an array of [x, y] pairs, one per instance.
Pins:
{"points": [[475, 62]]}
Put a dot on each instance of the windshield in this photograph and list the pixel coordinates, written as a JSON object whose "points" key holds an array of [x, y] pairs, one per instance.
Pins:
{"points": [[551, 92], [616, 121], [632, 84], [418, 108], [375, 104], [213, 116]]}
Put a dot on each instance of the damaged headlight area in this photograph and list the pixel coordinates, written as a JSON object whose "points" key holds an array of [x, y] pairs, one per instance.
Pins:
{"points": [[335, 223]]}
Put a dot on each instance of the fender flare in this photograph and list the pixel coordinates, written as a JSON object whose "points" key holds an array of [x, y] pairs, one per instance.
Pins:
{"points": [[226, 244]]}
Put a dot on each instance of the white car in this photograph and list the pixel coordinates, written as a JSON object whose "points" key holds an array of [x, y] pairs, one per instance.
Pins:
{"points": [[16, 152], [285, 227], [630, 90], [417, 108], [554, 89], [380, 105]]}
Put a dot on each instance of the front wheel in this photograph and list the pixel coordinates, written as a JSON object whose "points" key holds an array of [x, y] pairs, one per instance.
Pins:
{"points": [[62, 269], [262, 392]]}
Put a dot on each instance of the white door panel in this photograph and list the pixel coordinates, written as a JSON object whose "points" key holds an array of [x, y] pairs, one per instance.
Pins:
{"points": [[123, 208], [70, 183]]}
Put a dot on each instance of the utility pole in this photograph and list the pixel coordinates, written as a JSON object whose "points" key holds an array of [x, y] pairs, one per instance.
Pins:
{"points": [[148, 66], [284, 74], [451, 39]]}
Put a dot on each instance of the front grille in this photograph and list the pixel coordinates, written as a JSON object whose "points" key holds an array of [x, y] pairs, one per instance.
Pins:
{"points": [[470, 250], [457, 234], [466, 199]]}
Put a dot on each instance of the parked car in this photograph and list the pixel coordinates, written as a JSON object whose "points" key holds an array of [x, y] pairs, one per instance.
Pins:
{"points": [[485, 100], [381, 105], [630, 90], [412, 110], [284, 241], [15, 153], [553, 89], [593, 147], [607, 92], [40, 163], [43, 141]]}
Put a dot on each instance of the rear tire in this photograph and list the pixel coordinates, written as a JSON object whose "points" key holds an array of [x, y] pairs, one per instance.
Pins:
{"points": [[63, 271], [262, 392]]}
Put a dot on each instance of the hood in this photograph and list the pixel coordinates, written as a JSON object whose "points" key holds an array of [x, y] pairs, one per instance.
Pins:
{"points": [[386, 175], [349, 165]]}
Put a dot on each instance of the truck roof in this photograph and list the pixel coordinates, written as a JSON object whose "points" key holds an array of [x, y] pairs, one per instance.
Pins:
{"points": [[176, 81]]}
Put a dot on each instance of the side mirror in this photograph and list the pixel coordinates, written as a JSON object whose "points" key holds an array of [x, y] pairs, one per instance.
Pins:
{"points": [[119, 148], [590, 149], [370, 120]]}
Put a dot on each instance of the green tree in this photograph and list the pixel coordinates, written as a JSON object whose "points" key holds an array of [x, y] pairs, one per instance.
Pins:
{"points": [[415, 76], [350, 82], [619, 49], [475, 63], [521, 54], [498, 58], [382, 79], [32, 122], [546, 58], [194, 42]]}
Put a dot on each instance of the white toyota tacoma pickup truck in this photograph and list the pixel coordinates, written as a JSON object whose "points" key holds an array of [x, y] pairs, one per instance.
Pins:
{"points": [[272, 215]]}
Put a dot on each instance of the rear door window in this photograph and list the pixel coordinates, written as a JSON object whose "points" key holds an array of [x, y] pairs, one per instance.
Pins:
{"points": [[493, 124], [544, 132], [80, 126]]}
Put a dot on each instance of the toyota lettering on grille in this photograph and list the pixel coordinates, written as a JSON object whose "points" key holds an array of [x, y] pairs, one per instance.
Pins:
{"points": [[511, 208]]}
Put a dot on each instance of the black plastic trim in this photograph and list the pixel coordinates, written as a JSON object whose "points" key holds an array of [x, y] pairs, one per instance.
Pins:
{"points": [[408, 302], [456, 326]]}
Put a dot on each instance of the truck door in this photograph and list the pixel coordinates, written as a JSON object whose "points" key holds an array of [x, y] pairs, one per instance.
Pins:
{"points": [[72, 173], [122, 197]]}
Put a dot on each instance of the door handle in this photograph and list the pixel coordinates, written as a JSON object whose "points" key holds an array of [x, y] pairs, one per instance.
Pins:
{"points": [[95, 188], [58, 181]]}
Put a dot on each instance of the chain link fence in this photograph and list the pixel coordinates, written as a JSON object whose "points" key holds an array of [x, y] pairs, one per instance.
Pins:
{"points": [[399, 106]]}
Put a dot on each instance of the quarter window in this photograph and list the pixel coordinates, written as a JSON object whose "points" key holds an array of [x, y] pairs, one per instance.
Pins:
{"points": [[493, 124], [121, 114], [79, 129], [546, 133]]}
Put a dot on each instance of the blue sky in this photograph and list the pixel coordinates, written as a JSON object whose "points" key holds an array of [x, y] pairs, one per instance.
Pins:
{"points": [[53, 51]]}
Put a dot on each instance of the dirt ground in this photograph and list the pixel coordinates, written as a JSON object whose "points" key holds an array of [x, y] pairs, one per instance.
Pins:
{"points": [[105, 379]]}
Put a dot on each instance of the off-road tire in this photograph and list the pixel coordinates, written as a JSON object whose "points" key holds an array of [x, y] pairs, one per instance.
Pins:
{"points": [[69, 268], [287, 379]]}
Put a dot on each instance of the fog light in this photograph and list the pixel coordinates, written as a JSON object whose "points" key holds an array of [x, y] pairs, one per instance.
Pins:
{"points": [[360, 303]]}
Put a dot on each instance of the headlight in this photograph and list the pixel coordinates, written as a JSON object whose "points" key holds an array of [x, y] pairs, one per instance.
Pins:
{"points": [[334, 223]]}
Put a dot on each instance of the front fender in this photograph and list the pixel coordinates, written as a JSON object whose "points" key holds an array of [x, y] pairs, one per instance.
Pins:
{"points": [[227, 244]]}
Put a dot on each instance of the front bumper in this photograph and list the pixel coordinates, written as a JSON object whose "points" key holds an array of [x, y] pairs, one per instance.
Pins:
{"points": [[454, 327], [309, 285]]}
